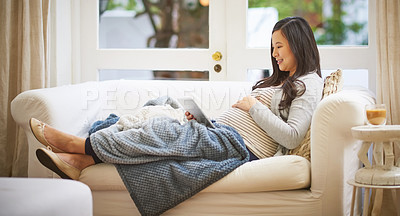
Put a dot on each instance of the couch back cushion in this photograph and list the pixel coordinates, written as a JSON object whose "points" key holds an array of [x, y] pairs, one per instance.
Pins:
{"points": [[93, 101], [127, 96]]}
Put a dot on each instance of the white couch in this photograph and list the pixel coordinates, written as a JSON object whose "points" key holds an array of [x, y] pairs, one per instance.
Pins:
{"points": [[286, 185]]}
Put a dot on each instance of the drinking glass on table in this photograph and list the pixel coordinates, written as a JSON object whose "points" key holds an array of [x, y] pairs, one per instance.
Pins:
{"points": [[376, 114]]}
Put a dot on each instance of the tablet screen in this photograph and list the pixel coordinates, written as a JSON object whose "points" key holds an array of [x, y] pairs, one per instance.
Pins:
{"points": [[191, 106]]}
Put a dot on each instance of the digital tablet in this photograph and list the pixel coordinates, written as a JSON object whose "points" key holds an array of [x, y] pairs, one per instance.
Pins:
{"points": [[191, 106]]}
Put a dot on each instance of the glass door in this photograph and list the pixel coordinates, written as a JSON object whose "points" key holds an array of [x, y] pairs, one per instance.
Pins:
{"points": [[153, 39]]}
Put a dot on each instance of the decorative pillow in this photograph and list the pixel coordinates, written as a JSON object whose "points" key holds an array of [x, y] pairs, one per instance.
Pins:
{"points": [[332, 84]]}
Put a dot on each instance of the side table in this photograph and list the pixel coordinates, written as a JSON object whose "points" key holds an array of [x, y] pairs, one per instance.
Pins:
{"points": [[384, 174], [371, 207]]}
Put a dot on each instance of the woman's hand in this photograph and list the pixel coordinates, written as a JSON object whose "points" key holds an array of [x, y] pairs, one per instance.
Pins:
{"points": [[189, 116], [246, 103]]}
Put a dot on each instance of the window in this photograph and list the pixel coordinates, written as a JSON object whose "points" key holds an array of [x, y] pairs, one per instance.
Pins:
{"points": [[334, 22], [153, 24], [148, 24], [340, 28]]}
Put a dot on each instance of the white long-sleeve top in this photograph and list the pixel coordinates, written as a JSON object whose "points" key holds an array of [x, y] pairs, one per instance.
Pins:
{"points": [[289, 134]]}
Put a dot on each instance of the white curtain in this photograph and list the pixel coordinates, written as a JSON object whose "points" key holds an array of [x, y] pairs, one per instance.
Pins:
{"points": [[388, 72], [24, 65]]}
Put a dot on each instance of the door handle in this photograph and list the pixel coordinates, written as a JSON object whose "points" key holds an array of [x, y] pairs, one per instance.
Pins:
{"points": [[217, 56]]}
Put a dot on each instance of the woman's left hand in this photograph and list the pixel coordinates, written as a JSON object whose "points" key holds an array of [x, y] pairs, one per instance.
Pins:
{"points": [[246, 103]]}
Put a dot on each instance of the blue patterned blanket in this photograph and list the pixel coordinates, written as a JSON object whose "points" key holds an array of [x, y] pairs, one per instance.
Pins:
{"points": [[164, 163]]}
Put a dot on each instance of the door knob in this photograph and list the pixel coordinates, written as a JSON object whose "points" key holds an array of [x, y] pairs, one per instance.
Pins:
{"points": [[217, 56]]}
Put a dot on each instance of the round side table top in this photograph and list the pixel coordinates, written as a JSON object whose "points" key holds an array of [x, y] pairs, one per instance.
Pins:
{"points": [[354, 183], [381, 133]]}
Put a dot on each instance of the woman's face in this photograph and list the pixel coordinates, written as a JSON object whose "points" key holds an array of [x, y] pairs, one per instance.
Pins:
{"points": [[282, 53]]}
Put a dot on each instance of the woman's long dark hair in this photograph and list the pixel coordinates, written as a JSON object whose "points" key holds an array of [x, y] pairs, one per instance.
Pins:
{"points": [[302, 43]]}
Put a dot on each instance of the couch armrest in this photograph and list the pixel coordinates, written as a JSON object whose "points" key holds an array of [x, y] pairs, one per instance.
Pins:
{"points": [[333, 149], [59, 107]]}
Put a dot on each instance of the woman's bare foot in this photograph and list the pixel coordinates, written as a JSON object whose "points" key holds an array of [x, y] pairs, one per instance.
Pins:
{"points": [[63, 141], [79, 161]]}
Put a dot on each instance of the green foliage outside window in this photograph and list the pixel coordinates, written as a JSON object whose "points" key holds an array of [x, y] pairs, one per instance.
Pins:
{"points": [[328, 30], [111, 5]]}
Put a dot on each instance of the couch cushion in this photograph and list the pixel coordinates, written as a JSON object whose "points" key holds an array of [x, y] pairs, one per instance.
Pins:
{"points": [[102, 177], [270, 174]]}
